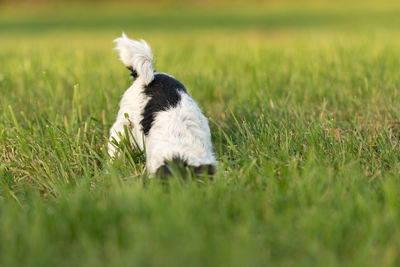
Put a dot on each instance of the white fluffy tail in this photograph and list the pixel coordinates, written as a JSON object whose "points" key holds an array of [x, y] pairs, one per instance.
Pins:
{"points": [[136, 55]]}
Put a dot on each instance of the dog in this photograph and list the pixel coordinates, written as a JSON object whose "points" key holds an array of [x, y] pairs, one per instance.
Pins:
{"points": [[161, 115]]}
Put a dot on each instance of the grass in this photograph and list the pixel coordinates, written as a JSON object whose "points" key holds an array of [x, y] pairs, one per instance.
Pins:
{"points": [[305, 123]]}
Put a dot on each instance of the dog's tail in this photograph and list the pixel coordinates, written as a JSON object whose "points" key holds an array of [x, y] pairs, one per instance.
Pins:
{"points": [[137, 56]]}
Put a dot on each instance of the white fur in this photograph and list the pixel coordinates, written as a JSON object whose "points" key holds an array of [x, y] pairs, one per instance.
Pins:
{"points": [[136, 54], [132, 103], [181, 131]]}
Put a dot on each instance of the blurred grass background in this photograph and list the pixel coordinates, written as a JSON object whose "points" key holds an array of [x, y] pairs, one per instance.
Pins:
{"points": [[302, 98]]}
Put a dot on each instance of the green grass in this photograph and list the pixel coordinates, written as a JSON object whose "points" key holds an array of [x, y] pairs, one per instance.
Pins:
{"points": [[304, 113]]}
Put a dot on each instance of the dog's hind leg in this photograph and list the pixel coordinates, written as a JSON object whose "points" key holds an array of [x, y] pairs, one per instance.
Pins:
{"points": [[117, 131], [122, 126]]}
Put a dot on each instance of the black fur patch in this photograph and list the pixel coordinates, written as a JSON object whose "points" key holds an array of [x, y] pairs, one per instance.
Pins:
{"points": [[133, 72], [164, 94], [206, 168], [164, 171]]}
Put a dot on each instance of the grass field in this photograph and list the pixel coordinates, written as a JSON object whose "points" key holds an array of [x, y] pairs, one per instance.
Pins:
{"points": [[303, 103]]}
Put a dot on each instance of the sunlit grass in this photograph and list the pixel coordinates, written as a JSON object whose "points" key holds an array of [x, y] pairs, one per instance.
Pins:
{"points": [[305, 124]]}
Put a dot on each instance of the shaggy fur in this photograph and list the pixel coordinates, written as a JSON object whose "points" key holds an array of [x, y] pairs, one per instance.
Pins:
{"points": [[163, 117]]}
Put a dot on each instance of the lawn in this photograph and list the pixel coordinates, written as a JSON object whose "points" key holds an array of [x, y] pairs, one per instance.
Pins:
{"points": [[303, 104]]}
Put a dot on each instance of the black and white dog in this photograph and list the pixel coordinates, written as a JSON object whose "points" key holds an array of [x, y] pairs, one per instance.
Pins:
{"points": [[161, 115]]}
